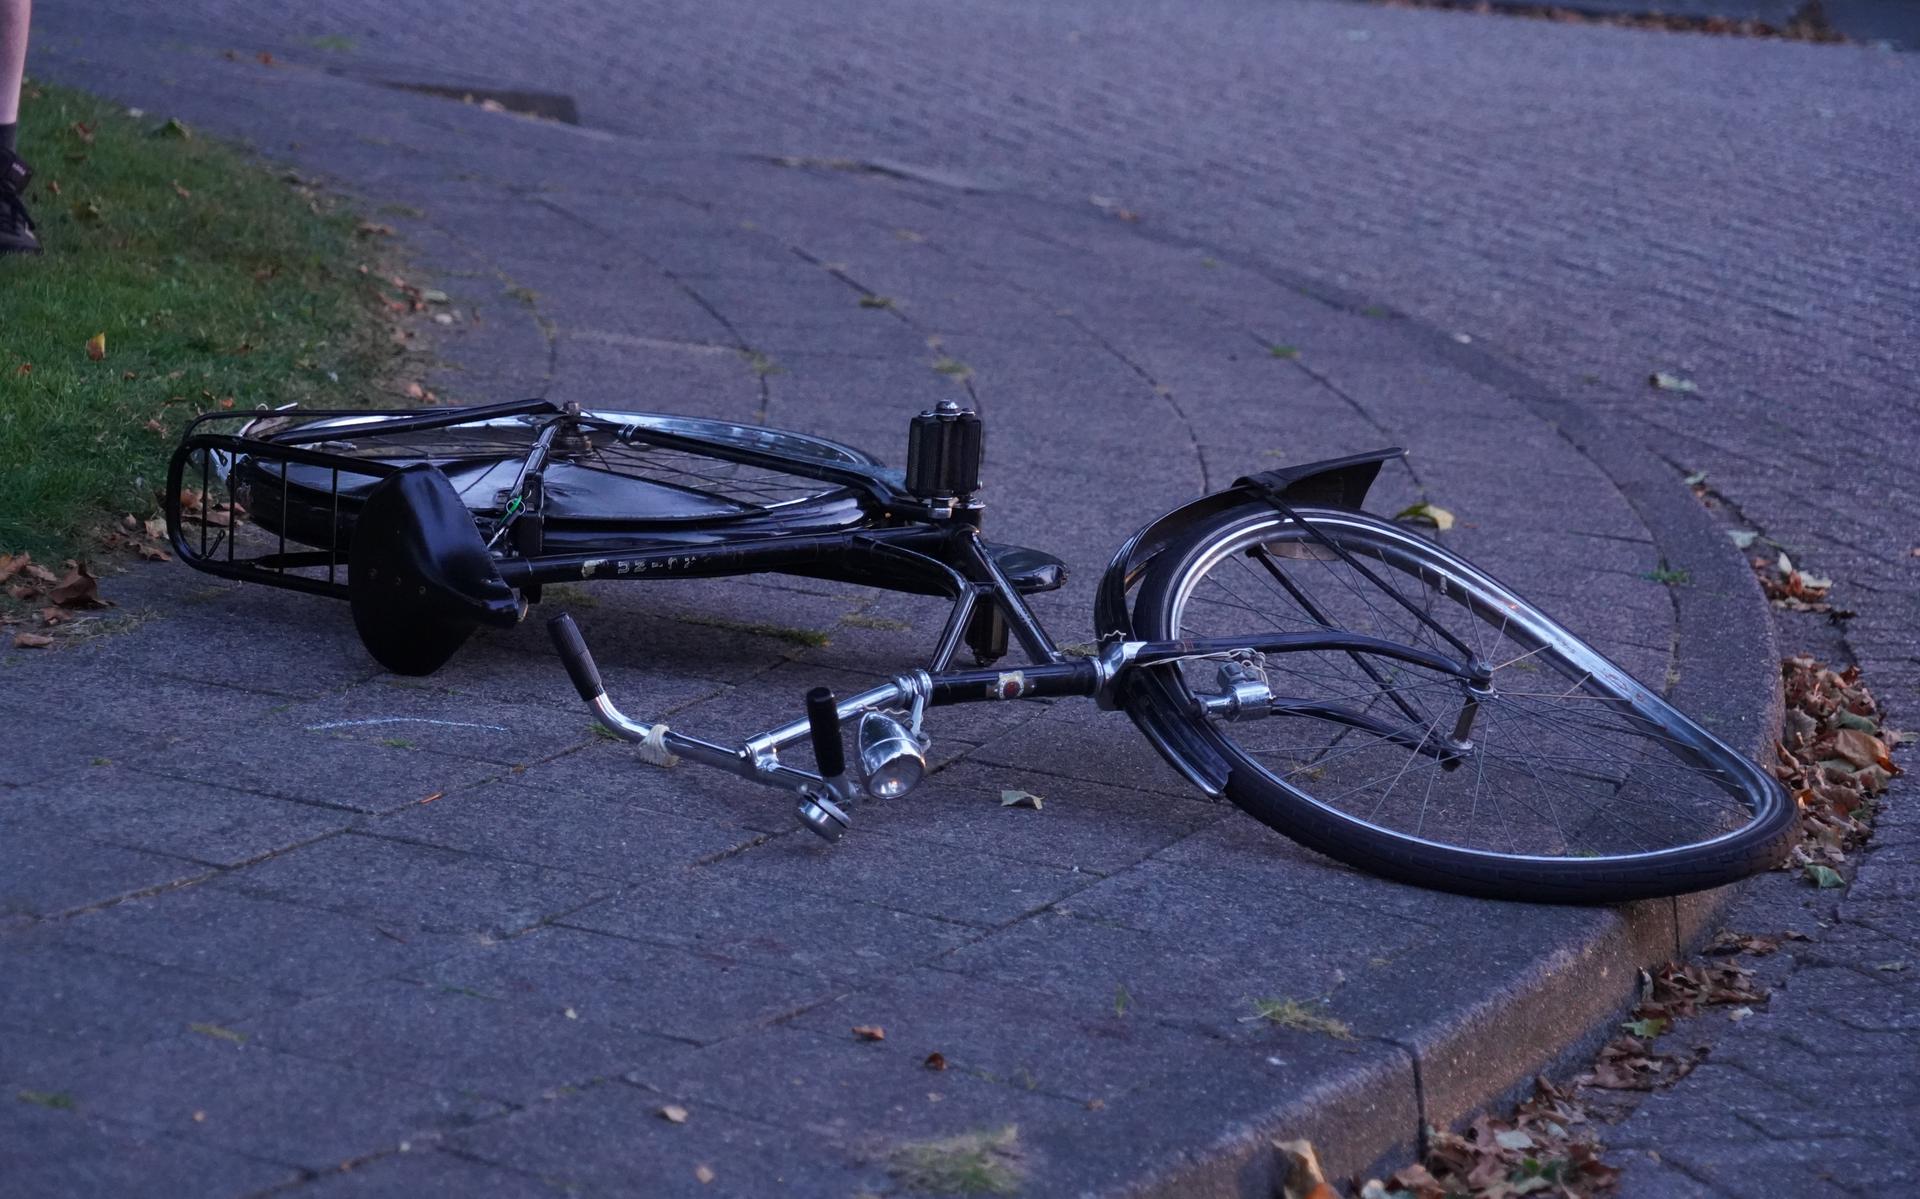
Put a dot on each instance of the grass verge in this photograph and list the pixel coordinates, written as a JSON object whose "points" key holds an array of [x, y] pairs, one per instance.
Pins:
{"points": [[178, 276]]}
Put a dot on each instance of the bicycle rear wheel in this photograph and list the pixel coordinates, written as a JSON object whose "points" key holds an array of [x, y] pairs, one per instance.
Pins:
{"points": [[608, 487], [1579, 784]]}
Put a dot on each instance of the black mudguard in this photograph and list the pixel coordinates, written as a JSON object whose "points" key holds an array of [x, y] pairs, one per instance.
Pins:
{"points": [[1335, 482], [421, 578]]}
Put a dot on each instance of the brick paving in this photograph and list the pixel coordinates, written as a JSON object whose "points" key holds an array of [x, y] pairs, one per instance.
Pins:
{"points": [[251, 954]]}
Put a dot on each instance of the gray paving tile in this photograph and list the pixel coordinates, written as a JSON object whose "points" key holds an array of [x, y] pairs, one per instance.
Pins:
{"points": [[586, 832], [419, 717], [211, 1091], [431, 1174], [313, 768], [101, 1002], [842, 1087], [455, 1037], [44, 872], [283, 946], [665, 990], [64, 1154], [182, 818], [753, 919], [611, 1140], [402, 887], [942, 881]]}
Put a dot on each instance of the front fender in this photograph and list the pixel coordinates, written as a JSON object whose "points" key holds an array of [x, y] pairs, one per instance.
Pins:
{"points": [[1158, 705], [1331, 483]]}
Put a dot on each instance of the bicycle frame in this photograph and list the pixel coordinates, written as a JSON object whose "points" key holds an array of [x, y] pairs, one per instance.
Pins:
{"points": [[902, 541]]}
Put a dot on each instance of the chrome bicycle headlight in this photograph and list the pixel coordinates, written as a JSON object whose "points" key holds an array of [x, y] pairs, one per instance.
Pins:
{"points": [[891, 761]]}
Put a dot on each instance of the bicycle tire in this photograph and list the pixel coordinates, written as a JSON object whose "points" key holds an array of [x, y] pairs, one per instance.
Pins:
{"points": [[1626, 797], [621, 492]]}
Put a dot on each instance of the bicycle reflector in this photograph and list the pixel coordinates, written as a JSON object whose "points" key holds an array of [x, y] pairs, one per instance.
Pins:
{"points": [[890, 759], [943, 452]]}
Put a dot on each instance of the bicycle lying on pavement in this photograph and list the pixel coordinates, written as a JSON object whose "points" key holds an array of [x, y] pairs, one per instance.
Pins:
{"points": [[1342, 678]]}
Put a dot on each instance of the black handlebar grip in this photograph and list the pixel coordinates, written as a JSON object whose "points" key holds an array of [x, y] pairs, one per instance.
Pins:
{"points": [[573, 652], [823, 720]]}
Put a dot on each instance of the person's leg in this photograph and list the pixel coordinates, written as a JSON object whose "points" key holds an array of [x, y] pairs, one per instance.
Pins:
{"points": [[16, 228], [13, 64]]}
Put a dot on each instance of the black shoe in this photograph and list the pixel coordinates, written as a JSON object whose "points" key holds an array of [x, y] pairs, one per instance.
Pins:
{"points": [[16, 227]]}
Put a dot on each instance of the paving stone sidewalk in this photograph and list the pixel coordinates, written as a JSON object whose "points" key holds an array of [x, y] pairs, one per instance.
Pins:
{"points": [[250, 951]]}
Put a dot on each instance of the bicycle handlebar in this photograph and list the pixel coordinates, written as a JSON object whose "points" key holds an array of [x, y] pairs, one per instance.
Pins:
{"points": [[573, 652]]}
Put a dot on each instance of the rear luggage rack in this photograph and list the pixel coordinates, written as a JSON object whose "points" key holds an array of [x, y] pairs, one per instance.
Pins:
{"points": [[266, 509]]}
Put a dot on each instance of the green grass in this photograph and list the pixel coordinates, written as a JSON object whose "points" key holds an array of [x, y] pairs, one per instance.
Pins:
{"points": [[1300, 1017], [210, 277], [1668, 575], [806, 638], [979, 1163]]}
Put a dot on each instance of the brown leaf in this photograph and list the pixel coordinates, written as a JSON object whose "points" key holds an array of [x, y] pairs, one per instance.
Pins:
{"points": [[1305, 1179], [53, 616], [11, 563], [704, 1173], [31, 641], [673, 1113], [79, 589], [182, 192], [935, 1061], [97, 346], [1861, 749], [266, 59], [870, 1032]]}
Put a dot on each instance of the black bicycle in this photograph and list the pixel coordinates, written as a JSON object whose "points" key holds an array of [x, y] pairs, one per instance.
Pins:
{"points": [[1342, 678]]}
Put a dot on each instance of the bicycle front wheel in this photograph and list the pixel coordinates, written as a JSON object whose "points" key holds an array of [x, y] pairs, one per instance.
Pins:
{"points": [[1561, 780]]}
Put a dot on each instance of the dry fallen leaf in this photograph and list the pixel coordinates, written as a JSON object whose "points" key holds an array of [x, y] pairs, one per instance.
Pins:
{"points": [[1305, 1179], [1020, 799], [1438, 517], [935, 1061], [870, 1032], [31, 641], [673, 1113], [97, 346], [704, 1173], [79, 589], [1667, 382]]}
